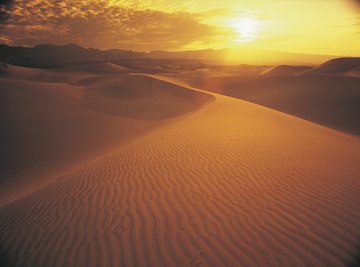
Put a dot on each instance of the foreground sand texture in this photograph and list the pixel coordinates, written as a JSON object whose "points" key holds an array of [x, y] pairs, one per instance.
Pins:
{"points": [[219, 182]]}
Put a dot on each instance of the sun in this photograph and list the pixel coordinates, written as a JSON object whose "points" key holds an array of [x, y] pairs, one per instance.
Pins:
{"points": [[247, 28]]}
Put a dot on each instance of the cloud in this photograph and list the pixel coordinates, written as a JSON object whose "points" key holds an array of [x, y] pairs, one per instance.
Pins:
{"points": [[103, 24], [356, 3], [5, 6]]}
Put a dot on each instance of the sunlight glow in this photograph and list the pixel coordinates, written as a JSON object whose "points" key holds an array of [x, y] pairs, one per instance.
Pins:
{"points": [[247, 28], [328, 27]]}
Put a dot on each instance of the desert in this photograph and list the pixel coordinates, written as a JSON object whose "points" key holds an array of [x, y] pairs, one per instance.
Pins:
{"points": [[179, 133], [143, 169]]}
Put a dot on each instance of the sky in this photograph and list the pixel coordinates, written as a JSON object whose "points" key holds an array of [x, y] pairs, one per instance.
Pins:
{"points": [[301, 26]]}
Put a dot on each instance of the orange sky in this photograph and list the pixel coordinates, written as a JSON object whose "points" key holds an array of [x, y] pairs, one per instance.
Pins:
{"points": [[301, 26]]}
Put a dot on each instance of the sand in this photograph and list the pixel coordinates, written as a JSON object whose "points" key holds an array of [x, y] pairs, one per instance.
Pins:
{"points": [[336, 66], [48, 128], [354, 72], [229, 183], [285, 70], [331, 100]]}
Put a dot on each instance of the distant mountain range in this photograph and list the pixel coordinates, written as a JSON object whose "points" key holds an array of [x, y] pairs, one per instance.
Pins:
{"points": [[47, 55]]}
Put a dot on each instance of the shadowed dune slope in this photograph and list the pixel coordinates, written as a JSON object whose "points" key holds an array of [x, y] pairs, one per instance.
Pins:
{"points": [[234, 184], [354, 72], [336, 66], [45, 128], [330, 100]]}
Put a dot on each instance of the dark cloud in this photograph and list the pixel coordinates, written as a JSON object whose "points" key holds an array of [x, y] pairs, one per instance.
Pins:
{"points": [[5, 6], [356, 3], [103, 25]]}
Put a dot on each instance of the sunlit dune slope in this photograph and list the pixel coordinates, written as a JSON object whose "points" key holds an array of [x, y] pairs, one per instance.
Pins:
{"points": [[327, 99], [233, 184], [49, 128]]}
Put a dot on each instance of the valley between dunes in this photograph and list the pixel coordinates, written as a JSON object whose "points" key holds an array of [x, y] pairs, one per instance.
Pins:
{"points": [[202, 180]]}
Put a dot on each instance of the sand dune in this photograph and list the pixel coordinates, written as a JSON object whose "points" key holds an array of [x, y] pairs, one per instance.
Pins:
{"points": [[3, 68], [233, 184], [31, 61], [354, 72], [336, 66], [68, 74], [141, 97], [15, 72], [47, 129], [330, 100], [101, 67], [285, 70], [52, 75]]}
